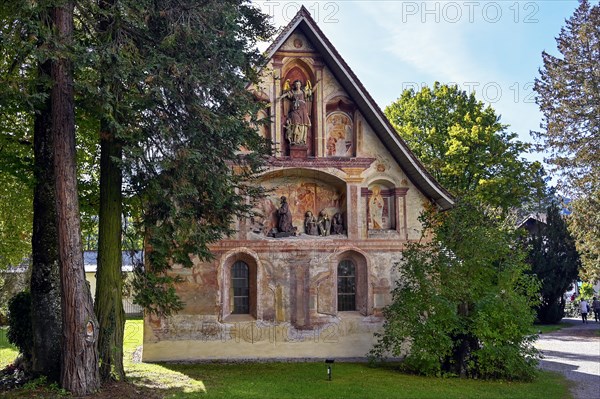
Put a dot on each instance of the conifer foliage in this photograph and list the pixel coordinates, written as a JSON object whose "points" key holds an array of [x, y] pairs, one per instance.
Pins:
{"points": [[555, 261], [568, 94]]}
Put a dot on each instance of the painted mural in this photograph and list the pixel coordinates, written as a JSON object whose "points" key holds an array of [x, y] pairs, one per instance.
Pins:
{"points": [[303, 195], [380, 215], [339, 134]]}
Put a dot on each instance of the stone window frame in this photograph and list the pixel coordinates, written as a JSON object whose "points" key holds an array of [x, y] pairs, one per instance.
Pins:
{"points": [[226, 289], [397, 196], [350, 293], [363, 291]]}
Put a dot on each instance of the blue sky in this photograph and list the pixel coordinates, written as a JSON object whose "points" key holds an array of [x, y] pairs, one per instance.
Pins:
{"points": [[492, 47]]}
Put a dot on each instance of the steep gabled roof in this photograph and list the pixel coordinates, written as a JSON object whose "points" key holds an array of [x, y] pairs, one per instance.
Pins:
{"points": [[533, 218], [413, 168]]}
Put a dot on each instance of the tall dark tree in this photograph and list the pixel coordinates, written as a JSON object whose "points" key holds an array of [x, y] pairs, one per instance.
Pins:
{"points": [[198, 60], [45, 277], [555, 261], [25, 101], [568, 94], [109, 283], [79, 365]]}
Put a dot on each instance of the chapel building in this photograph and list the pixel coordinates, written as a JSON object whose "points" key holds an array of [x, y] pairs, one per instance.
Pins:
{"points": [[310, 277]]}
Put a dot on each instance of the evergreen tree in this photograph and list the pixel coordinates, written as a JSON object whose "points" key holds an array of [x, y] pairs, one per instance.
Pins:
{"points": [[25, 133], [568, 94], [555, 261], [182, 154], [79, 361]]}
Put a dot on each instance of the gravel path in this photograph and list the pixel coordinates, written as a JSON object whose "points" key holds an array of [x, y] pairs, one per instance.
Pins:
{"points": [[574, 352]]}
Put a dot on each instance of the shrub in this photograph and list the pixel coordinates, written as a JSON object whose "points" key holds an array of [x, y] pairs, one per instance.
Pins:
{"points": [[463, 303], [19, 323]]}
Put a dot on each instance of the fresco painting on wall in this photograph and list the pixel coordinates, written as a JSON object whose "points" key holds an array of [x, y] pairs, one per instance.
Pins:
{"points": [[303, 195], [339, 134], [379, 210]]}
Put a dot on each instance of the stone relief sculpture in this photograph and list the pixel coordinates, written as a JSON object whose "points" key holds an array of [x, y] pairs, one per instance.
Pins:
{"points": [[376, 203], [284, 223], [297, 109], [337, 224], [324, 223], [310, 224]]}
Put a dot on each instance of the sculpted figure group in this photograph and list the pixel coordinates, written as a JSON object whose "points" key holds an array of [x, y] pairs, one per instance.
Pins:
{"points": [[323, 225]]}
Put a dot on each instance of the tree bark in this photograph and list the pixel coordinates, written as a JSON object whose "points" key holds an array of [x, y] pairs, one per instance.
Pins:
{"points": [[109, 303], [109, 284], [46, 316], [79, 371]]}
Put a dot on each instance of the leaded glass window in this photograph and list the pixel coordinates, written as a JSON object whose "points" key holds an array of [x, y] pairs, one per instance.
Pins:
{"points": [[346, 286], [241, 288]]}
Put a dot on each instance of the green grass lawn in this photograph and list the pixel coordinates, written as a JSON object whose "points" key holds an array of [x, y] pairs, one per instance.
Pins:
{"points": [[309, 380], [547, 328], [8, 352]]}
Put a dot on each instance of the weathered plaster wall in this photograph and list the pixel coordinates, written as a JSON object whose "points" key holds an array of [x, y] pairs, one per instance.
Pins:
{"points": [[295, 278]]}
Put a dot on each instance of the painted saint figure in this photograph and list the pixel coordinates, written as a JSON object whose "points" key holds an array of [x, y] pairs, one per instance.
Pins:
{"points": [[376, 208], [298, 115]]}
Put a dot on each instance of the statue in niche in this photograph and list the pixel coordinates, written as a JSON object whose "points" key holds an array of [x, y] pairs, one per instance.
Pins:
{"points": [[376, 203], [310, 224], [297, 110], [337, 224], [324, 223], [284, 225]]}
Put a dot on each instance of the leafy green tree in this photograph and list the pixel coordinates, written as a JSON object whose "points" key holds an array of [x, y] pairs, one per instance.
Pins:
{"points": [[555, 261], [568, 94], [25, 131], [16, 147], [463, 145], [462, 303], [586, 292]]}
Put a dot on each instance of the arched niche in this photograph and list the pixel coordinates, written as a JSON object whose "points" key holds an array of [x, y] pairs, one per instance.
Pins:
{"points": [[360, 266], [381, 205], [297, 69], [228, 264], [340, 129], [306, 190]]}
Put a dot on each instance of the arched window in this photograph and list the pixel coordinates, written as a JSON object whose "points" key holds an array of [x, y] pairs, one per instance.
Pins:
{"points": [[240, 283], [346, 286]]}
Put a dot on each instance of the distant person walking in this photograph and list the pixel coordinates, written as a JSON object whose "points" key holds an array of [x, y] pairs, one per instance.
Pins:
{"points": [[596, 308], [584, 308]]}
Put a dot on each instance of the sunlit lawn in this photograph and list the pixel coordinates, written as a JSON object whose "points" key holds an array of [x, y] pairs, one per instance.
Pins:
{"points": [[548, 328], [7, 351], [309, 380]]}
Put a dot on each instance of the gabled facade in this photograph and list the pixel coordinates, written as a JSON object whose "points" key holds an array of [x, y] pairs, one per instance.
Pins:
{"points": [[310, 277]]}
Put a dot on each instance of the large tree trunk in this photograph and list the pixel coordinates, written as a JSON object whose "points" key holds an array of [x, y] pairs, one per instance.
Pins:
{"points": [[79, 371], [109, 303], [45, 277]]}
